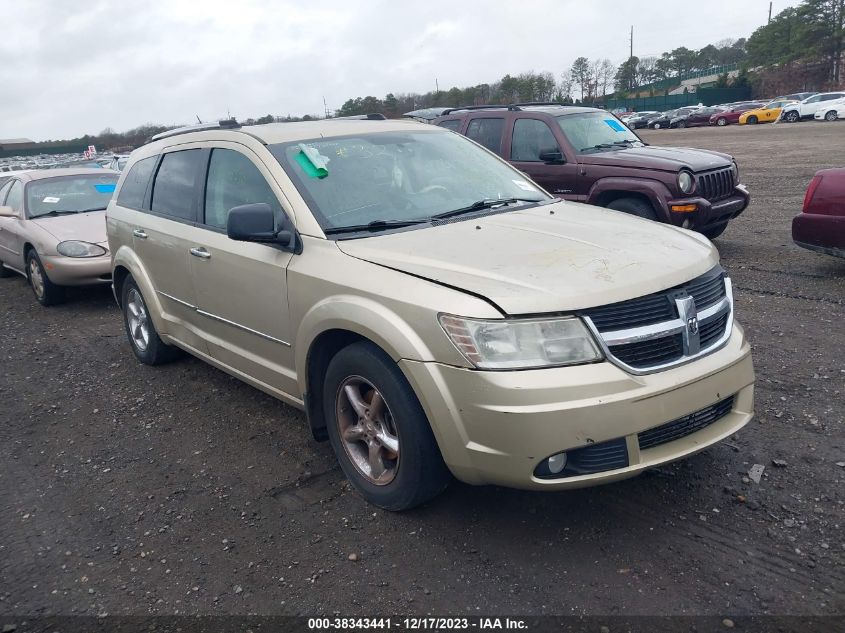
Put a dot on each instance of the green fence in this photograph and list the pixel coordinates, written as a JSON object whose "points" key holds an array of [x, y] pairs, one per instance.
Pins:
{"points": [[707, 96], [674, 82]]}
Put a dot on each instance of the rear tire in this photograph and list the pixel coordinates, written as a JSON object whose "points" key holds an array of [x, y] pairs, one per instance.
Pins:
{"points": [[712, 233], [46, 292], [831, 116], [387, 451], [682, 124], [634, 206], [656, 126], [140, 330]]}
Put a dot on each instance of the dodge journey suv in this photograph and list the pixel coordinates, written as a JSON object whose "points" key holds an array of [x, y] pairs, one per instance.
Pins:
{"points": [[432, 310]]}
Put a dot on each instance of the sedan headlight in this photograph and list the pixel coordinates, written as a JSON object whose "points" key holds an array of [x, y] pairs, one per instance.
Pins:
{"points": [[73, 248], [521, 344], [686, 183]]}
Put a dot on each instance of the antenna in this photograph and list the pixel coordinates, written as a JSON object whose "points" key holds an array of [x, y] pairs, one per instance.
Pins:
{"points": [[199, 120]]}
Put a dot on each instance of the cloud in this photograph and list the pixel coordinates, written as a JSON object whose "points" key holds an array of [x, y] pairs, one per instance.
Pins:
{"points": [[70, 69]]}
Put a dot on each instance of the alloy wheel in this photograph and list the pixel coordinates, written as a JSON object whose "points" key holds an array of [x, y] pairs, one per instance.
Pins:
{"points": [[138, 320], [721, 122], [36, 278], [367, 430], [831, 116]]}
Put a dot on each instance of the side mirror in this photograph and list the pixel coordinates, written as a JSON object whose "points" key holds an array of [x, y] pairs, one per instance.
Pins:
{"points": [[257, 223], [553, 156], [7, 212]]}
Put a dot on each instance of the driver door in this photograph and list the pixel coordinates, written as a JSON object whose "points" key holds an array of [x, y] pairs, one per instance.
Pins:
{"points": [[535, 150]]}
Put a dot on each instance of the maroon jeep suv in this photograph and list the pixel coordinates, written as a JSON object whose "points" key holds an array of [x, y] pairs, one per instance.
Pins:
{"points": [[588, 155]]}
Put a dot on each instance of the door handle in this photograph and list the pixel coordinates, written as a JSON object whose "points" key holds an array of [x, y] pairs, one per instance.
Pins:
{"points": [[140, 233], [200, 252]]}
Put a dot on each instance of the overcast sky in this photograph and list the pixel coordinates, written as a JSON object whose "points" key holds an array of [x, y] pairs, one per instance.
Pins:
{"points": [[69, 68]]}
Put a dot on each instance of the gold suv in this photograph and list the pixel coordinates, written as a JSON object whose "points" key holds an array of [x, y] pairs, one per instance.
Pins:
{"points": [[433, 311]]}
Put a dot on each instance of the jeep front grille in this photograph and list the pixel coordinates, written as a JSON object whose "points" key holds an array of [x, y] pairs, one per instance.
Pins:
{"points": [[716, 185], [667, 328]]}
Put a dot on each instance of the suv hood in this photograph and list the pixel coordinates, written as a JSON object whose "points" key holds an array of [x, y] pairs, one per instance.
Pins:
{"points": [[86, 227], [533, 261], [662, 158]]}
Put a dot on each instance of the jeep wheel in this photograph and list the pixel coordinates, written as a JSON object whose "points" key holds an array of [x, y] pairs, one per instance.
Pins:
{"points": [[143, 338], [379, 431], [713, 232], [721, 121], [46, 292], [791, 116], [634, 206], [752, 120], [831, 116]]}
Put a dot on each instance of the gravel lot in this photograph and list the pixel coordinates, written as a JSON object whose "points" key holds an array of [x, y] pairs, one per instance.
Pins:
{"points": [[126, 489]]}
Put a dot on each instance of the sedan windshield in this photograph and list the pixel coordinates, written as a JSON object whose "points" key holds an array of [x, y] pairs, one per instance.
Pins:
{"points": [[385, 180], [596, 131], [69, 194]]}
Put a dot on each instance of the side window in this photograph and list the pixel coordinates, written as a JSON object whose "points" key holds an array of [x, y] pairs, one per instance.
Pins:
{"points": [[815, 99], [174, 189], [829, 97], [488, 132], [234, 180], [531, 138], [451, 124], [15, 197], [135, 185]]}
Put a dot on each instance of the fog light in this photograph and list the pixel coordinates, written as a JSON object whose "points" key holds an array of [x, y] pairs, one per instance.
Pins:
{"points": [[557, 463]]}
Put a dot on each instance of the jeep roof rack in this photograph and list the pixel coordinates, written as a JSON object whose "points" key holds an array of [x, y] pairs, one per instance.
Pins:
{"points": [[513, 107], [373, 116], [225, 124]]}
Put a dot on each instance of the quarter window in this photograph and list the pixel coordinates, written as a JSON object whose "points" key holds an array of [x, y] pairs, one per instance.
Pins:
{"points": [[15, 197], [174, 190], [233, 180], [134, 187], [487, 132], [530, 139], [451, 124]]}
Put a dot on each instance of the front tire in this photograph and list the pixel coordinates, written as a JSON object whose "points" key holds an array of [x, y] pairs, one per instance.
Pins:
{"points": [[791, 117], [379, 431], [682, 124], [752, 120], [634, 206], [713, 232], [46, 292], [143, 337], [721, 122], [831, 116]]}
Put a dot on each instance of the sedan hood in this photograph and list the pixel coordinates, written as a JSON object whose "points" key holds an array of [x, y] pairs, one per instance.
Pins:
{"points": [[86, 227], [554, 258], [663, 158]]}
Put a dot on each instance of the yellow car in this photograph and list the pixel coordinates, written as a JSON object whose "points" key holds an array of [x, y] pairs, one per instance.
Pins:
{"points": [[768, 113]]}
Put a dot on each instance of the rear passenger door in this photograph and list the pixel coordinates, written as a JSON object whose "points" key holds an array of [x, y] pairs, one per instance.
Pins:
{"points": [[535, 150], [241, 287], [163, 235], [11, 249]]}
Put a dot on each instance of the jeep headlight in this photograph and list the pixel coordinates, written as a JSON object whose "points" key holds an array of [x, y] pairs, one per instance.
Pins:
{"points": [[686, 182], [521, 343], [735, 172], [73, 248]]}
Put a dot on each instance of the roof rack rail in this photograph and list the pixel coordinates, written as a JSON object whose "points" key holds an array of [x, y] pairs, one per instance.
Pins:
{"points": [[225, 124], [373, 116], [513, 107]]}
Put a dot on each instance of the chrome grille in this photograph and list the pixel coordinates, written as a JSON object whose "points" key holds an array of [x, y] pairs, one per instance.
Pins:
{"points": [[716, 185], [668, 328]]}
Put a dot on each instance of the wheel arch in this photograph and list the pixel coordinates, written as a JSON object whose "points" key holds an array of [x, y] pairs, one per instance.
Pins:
{"points": [[653, 192]]}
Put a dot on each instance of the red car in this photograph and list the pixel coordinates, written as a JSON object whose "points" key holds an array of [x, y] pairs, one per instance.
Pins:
{"points": [[821, 224], [731, 114]]}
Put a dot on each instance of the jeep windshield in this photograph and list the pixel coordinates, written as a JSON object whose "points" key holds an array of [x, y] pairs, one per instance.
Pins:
{"points": [[591, 132], [385, 181]]}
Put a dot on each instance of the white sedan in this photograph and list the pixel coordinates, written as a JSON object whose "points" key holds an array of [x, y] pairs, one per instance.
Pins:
{"points": [[831, 111]]}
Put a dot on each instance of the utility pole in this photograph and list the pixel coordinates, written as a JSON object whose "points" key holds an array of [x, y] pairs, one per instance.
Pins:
{"points": [[436, 86], [770, 13], [632, 43], [326, 108]]}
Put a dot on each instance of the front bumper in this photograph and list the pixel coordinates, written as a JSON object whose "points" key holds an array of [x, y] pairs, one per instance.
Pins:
{"points": [[709, 214], [496, 427], [823, 233], [77, 271]]}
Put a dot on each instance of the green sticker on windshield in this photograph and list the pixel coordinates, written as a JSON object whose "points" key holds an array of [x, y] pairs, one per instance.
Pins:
{"points": [[313, 163]]}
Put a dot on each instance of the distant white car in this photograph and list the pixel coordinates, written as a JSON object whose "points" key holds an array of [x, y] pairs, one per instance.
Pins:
{"points": [[807, 108], [831, 111]]}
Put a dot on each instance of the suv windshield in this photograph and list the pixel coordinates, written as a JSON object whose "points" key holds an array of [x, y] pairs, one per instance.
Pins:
{"points": [[69, 194], [387, 179], [596, 131]]}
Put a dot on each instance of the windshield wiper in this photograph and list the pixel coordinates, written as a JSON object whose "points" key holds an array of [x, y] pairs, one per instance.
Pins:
{"points": [[374, 226], [599, 146], [55, 212], [487, 203]]}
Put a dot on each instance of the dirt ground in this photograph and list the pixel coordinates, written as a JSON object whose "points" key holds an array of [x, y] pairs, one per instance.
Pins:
{"points": [[126, 489]]}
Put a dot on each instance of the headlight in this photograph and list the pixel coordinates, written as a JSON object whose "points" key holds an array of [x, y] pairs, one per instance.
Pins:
{"points": [[686, 182], [735, 171], [521, 344], [73, 248]]}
